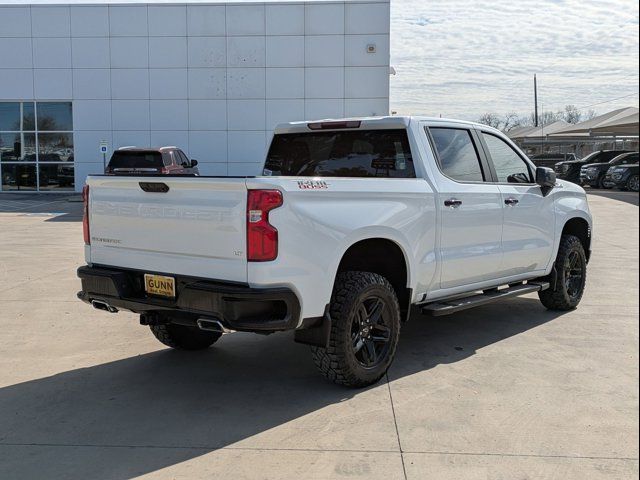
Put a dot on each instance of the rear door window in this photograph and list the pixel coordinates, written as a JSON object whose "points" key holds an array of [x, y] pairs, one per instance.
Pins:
{"points": [[355, 153], [457, 154], [132, 159]]}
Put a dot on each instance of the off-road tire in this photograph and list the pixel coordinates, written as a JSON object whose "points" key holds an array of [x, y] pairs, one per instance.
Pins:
{"points": [[632, 182], [338, 361], [560, 297], [182, 337]]}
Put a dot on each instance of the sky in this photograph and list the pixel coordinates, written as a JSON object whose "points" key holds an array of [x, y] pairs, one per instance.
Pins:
{"points": [[463, 58]]}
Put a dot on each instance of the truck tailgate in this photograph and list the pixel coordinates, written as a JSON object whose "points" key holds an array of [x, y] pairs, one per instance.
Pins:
{"points": [[196, 228]]}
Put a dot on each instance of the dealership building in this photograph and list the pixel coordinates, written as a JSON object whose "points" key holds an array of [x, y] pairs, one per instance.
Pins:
{"points": [[212, 78]]}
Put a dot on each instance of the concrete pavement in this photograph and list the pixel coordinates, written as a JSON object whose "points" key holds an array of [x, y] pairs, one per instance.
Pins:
{"points": [[507, 391]]}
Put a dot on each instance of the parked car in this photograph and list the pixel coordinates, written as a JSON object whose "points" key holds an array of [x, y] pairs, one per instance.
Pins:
{"points": [[352, 223], [550, 159], [151, 161], [594, 174], [570, 170], [624, 177]]}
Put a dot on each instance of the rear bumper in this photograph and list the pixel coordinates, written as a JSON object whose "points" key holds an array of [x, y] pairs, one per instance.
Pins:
{"points": [[237, 307]]}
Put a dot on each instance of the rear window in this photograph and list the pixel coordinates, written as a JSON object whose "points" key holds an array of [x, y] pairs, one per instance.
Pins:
{"points": [[355, 153], [124, 159]]}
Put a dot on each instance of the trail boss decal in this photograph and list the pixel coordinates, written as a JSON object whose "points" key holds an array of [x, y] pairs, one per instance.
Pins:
{"points": [[312, 185]]}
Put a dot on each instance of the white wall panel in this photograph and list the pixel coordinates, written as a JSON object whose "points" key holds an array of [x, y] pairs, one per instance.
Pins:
{"points": [[366, 107], [246, 114], [367, 18], [90, 21], [90, 53], [207, 114], [324, 19], [130, 114], [15, 21], [16, 53], [321, 109], [167, 20], [206, 20], [129, 52], [131, 138], [285, 83], [86, 146], [17, 83], [169, 115], [285, 51], [245, 83], [52, 84], [50, 21], [285, 19], [367, 82], [168, 83], [178, 139], [245, 169], [167, 52], [246, 51], [91, 83], [208, 147], [246, 147], [356, 50], [324, 51], [207, 83], [129, 83], [52, 53], [207, 51], [128, 21], [281, 111], [213, 169], [324, 82], [92, 115], [245, 20]]}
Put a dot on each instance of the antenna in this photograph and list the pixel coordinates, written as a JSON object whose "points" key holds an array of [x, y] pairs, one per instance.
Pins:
{"points": [[535, 98]]}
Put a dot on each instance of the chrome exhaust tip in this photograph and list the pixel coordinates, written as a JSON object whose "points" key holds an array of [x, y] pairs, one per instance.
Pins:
{"points": [[104, 306], [209, 325]]}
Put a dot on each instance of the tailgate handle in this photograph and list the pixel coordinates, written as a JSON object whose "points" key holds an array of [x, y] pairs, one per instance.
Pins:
{"points": [[154, 187]]}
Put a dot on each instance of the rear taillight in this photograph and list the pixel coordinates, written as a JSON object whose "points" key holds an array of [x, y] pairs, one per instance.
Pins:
{"points": [[262, 237], [85, 215]]}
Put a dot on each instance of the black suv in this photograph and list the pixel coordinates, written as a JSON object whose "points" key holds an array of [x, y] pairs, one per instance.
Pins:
{"points": [[594, 174], [151, 161], [550, 159], [624, 177], [571, 170]]}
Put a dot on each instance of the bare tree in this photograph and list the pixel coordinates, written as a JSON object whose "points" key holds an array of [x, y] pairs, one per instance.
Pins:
{"points": [[511, 121], [491, 119], [571, 114]]}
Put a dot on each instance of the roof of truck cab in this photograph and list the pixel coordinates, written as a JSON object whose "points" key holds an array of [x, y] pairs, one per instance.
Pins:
{"points": [[378, 123]]}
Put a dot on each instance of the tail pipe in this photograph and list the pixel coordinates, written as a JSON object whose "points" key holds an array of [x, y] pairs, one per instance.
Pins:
{"points": [[210, 325], [102, 305]]}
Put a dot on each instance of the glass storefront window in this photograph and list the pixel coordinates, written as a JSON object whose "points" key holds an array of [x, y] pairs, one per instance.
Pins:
{"points": [[54, 116], [36, 146], [10, 116], [58, 177], [19, 177]]}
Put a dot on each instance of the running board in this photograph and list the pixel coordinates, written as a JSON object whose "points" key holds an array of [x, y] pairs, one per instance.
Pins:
{"points": [[447, 307]]}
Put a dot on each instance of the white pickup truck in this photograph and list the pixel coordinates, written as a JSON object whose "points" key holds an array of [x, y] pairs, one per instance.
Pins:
{"points": [[352, 223]]}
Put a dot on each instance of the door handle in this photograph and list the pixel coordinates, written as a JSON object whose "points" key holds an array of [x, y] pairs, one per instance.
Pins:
{"points": [[512, 202], [452, 203]]}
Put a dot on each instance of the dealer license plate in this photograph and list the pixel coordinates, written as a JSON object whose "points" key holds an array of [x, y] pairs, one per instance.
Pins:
{"points": [[160, 285]]}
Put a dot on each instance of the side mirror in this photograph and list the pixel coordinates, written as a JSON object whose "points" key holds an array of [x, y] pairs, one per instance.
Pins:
{"points": [[545, 177], [194, 163]]}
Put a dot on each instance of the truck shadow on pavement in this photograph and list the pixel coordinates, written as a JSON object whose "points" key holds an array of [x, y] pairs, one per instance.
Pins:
{"points": [[134, 416]]}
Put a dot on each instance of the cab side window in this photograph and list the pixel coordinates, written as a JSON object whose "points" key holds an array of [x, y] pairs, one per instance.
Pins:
{"points": [[457, 154], [510, 167]]}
